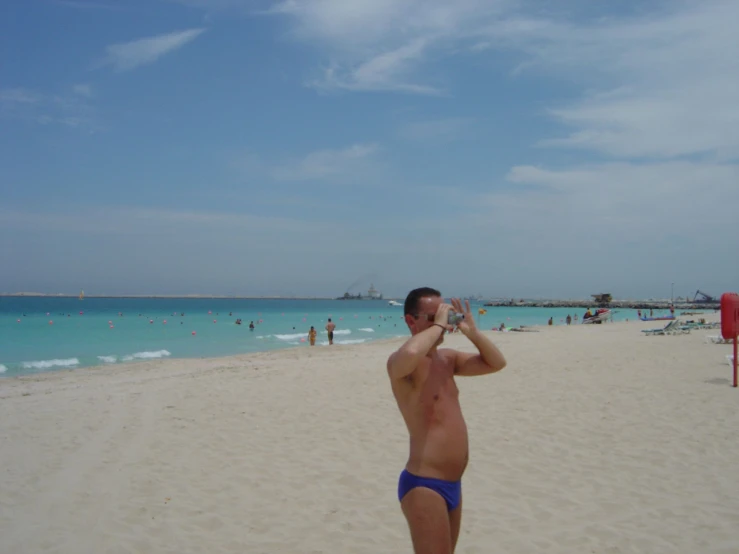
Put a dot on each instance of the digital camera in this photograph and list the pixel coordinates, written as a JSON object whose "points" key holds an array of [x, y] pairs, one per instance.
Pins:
{"points": [[454, 318]]}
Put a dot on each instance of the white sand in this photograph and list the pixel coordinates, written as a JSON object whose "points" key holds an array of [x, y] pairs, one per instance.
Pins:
{"points": [[594, 439]]}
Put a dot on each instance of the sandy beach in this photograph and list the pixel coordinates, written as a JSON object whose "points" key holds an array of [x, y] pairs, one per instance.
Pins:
{"points": [[594, 439]]}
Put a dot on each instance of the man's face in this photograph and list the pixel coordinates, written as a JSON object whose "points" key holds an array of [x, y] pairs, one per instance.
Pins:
{"points": [[425, 313]]}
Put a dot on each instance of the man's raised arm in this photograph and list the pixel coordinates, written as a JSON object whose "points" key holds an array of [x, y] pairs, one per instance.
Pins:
{"points": [[489, 360], [403, 361]]}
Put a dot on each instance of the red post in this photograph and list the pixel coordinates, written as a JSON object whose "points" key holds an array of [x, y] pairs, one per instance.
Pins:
{"points": [[730, 322]]}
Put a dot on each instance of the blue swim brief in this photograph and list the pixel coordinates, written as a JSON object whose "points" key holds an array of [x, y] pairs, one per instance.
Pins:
{"points": [[450, 491]]}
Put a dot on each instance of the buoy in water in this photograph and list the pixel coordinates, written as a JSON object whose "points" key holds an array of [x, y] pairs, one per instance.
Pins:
{"points": [[193, 332]]}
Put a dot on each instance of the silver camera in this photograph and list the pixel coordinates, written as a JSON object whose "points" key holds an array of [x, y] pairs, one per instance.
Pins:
{"points": [[454, 318]]}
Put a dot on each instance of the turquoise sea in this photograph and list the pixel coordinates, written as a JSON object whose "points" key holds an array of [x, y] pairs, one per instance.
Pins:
{"points": [[40, 334]]}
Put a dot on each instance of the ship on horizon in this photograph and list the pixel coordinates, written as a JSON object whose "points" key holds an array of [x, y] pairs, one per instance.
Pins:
{"points": [[372, 294]]}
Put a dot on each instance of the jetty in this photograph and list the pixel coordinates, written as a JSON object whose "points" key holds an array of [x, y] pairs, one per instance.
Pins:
{"points": [[613, 304]]}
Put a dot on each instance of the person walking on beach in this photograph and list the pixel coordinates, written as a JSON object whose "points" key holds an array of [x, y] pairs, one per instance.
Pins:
{"points": [[422, 381], [330, 326], [312, 335]]}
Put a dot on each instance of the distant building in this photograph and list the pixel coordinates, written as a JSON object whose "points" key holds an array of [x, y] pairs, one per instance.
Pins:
{"points": [[374, 294]]}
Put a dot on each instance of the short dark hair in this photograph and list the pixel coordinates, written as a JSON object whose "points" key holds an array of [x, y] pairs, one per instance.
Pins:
{"points": [[329, 319], [411, 301]]}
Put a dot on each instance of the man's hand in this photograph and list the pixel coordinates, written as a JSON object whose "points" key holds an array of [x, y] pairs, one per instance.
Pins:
{"points": [[442, 316], [467, 325]]}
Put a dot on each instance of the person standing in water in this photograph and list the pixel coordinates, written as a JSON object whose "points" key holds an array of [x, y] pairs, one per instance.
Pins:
{"points": [[312, 335], [330, 326]]}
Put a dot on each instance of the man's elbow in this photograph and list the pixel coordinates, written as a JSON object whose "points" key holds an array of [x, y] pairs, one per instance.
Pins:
{"points": [[500, 365]]}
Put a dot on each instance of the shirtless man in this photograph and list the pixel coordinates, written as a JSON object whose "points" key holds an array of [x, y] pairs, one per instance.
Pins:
{"points": [[330, 326], [422, 377]]}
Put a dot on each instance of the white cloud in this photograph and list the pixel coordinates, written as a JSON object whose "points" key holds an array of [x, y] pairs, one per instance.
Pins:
{"points": [[82, 89], [661, 85], [379, 45], [384, 72], [129, 55], [326, 164], [70, 109], [634, 213]]}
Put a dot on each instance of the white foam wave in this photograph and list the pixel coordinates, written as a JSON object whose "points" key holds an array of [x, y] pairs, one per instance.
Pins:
{"points": [[46, 364], [367, 330], [291, 337], [349, 341], [343, 332], [108, 359], [146, 355], [3, 369]]}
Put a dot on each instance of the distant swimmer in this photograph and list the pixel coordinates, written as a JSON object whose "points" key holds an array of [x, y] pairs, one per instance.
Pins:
{"points": [[330, 326], [238, 321], [251, 326], [312, 335]]}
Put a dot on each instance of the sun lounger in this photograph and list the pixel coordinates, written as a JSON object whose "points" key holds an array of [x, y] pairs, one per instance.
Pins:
{"points": [[672, 328]]}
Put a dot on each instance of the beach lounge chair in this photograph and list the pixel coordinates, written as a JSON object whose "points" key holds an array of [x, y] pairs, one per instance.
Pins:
{"points": [[672, 328]]}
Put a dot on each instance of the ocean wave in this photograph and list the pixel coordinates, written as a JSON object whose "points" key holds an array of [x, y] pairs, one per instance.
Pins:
{"points": [[3, 369], [146, 355], [108, 359], [367, 330], [349, 341], [343, 332], [291, 337], [46, 364]]}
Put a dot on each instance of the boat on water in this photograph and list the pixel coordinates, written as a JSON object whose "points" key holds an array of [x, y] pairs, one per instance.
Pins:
{"points": [[394, 303], [600, 315], [82, 295], [372, 294]]}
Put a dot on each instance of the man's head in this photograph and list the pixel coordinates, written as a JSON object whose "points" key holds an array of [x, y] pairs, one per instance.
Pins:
{"points": [[329, 320], [420, 308]]}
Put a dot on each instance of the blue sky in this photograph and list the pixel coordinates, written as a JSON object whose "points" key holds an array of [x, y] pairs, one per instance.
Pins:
{"points": [[499, 147]]}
